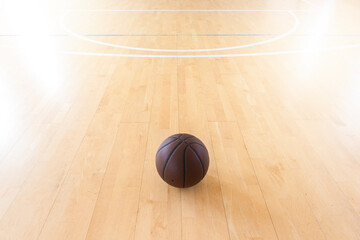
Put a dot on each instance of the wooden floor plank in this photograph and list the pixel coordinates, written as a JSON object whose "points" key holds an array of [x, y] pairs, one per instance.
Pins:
{"points": [[246, 211], [81, 186], [159, 213], [117, 218], [203, 203]]}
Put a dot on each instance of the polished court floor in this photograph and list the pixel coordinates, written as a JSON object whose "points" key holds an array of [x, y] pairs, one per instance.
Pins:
{"points": [[89, 90]]}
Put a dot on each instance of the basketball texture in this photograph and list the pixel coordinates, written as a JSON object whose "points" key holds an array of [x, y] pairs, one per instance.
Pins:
{"points": [[182, 160]]}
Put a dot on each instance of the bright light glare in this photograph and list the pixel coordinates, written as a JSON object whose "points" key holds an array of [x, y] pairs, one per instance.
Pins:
{"points": [[9, 118], [35, 45], [319, 27]]}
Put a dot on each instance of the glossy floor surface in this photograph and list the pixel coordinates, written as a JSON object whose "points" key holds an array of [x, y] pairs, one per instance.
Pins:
{"points": [[89, 90]]}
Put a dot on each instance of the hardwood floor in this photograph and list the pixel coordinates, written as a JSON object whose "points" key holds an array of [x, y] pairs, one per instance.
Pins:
{"points": [[81, 121]]}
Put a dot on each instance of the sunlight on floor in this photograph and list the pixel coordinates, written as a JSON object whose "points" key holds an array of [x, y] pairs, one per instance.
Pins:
{"points": [[36, 47]]}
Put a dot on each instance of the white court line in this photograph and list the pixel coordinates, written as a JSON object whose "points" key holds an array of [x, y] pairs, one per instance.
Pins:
{"points": [[300, 51], [74, 34], [303, 51]]}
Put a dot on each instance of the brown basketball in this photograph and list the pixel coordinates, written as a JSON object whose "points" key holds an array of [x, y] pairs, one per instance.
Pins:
{"points": [[182, 160]]}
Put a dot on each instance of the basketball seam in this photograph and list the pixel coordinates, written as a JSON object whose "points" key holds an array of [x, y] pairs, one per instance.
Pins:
{"points": [[193, 150], [165, 146], [198, 144], [185, 166], [184, 154], [198, 157], [169, 158], [191, 142]]}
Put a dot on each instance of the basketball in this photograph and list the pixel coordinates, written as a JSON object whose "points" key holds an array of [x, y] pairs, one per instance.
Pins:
{"points": [[182, 160]]}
